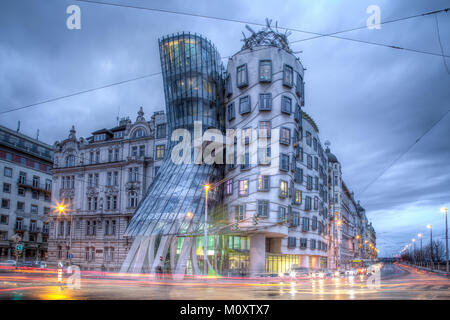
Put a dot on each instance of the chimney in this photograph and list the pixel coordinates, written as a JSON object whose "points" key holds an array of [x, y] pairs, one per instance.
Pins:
{"points": [[37, 134], [18, 126]]}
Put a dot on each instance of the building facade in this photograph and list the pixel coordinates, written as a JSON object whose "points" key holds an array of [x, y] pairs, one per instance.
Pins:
{"points": [[26, 182], [100, 181], [280, 205]]}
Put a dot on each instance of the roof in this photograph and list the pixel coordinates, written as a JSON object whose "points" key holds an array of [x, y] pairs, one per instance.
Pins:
{"points": [[308, 118], [331, 157]]}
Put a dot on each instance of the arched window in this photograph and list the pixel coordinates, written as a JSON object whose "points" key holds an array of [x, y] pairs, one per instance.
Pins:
{"points": [[70, 161], [132, 199], [139, 133]]}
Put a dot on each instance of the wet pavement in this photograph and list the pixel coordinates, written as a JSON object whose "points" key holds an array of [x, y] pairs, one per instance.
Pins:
{"points": [[395, 283]]}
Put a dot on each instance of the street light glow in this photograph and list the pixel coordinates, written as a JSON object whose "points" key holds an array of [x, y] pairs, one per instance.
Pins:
{"points": [[429, 226]]}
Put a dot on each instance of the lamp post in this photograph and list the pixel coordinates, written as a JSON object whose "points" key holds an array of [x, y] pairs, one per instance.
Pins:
{"points": [[421, 254], [444, 210], [61, 208], [414, 249], [429, 226], [205, 244]]}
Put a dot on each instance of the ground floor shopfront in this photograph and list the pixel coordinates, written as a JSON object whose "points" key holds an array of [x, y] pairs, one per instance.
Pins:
{"points": [[230, 255]]}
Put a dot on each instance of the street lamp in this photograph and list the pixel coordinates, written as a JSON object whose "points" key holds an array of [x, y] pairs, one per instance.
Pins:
{"points": [[205, 244], [61, 209], [429, 226], [444, 210], [421, 253]]}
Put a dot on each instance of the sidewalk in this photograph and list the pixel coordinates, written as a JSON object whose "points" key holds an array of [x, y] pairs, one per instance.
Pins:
{"points": [[434, 271]]}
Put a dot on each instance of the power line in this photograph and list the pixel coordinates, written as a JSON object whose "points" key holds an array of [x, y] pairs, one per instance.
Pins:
{"points": [[440, 44], [365, 26], [406, 151], [80, 92], [317, 34]]}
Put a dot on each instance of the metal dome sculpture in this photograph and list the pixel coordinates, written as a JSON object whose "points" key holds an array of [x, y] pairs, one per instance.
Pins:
{"points": [[267, 37]]}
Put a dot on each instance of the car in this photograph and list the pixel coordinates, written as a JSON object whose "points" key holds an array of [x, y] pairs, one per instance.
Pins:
{"points": [[8, 263], [40, 264], [351, 272], [27, 264], [300, 272]]}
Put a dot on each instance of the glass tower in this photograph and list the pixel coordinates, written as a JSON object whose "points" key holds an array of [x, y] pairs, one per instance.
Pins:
{"points": [[175, 202]]}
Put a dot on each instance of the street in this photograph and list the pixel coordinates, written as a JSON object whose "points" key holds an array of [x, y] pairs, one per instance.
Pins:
{"points": [[396, 283]]}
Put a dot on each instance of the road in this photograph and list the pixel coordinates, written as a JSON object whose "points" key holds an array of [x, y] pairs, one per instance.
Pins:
{"points": [[396, 283]]}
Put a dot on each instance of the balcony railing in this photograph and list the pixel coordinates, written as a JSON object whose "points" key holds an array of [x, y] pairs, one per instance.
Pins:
{"points": [[28, 183]]}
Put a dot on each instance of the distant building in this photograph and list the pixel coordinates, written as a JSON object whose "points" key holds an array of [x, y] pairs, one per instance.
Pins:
{"points": [[101, 180], [25, 179]]}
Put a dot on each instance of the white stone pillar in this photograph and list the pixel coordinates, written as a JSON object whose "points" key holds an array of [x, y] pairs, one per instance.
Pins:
{"points": [[257, 254], [305, 261]]}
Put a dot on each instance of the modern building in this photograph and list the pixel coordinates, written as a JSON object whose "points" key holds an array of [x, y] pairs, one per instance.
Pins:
{"points": [[280, 205], [26, 182], [100, 181]]}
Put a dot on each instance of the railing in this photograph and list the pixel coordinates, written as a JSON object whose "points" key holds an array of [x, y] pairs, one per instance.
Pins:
{"points": [[30, 183]]}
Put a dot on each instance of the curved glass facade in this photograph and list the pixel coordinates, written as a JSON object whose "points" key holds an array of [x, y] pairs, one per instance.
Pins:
{"points": [[175, 202]]}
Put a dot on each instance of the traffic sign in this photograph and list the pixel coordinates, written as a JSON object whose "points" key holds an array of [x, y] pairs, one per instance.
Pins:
{"points": [[19, 247], [70, 256]]}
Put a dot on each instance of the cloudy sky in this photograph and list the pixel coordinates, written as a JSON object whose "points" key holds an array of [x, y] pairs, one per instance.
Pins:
{"points": [[371, 102]]}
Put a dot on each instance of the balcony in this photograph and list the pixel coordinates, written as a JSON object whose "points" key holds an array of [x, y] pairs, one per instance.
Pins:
{"points": [[34, 229], [33, 185], [20, 227]]}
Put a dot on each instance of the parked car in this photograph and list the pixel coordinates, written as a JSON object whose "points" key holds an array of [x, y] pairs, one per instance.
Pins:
{"points": [[300, 272], [351, 272], [27, 264], [40, 264], [8, 263]]}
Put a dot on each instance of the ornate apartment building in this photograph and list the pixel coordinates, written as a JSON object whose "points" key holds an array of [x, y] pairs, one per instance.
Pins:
{"points": [[100, 181], [25, 179]]}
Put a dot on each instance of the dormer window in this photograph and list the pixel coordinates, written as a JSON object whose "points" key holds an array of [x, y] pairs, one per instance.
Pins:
{"points": [[100, 137], [139, 133], [118, 134]]}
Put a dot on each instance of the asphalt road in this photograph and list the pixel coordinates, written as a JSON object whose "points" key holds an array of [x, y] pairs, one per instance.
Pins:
{"points": [[395, 283]]}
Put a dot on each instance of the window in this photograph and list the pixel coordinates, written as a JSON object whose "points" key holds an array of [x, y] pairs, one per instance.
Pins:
{"points": [[284, 188], [309, 182], [246, 164], [96, 178], [263, 183], [35, 195], [21, 192], [305, 225], [229, 187], [315, 144], [316, 183], [281, 214], [298, 197], [288, 76], [133, 174], [100, 137], [264, 129], [295, 219], [299, 154], [298, 175], [299, 86], [91, 157], [265, 70], [97, 156], [4, 219], [313, 244], [316, 203], [298, 113], [118, 134], [160, 131], [46, 210], [160, 150], [134, 151], [7, 172], [285, 135], [242, 76], [20, 206], [139, 133], [284, 162], [70, 161], [286, 104], [244, 105], [308, 203], [22, 177], [132, 199], [116, 154], [228, 86], [314, 223], [48, 185], [316, 163], [231, 111], [308, 138], [6, 187], [243, 187], [239, 212], [116, 178], [265, 101], [5, 203], [309, 162], [292, 242], [263, 208]]}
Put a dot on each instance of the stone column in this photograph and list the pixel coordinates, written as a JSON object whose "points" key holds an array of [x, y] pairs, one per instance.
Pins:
{"points": [[305, 261], [257, 254]]}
